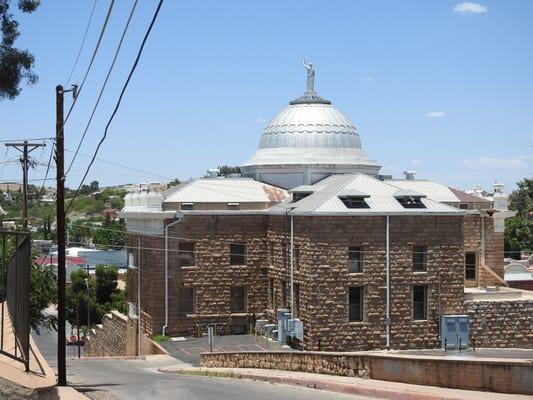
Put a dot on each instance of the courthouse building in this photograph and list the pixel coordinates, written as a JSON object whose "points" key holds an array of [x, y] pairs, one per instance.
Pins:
{"points": [[364, 261]]}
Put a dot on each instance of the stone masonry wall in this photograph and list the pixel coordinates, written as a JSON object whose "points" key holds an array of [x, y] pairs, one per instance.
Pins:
{"points": [[501, 323], [109, 339], [494, 251]]}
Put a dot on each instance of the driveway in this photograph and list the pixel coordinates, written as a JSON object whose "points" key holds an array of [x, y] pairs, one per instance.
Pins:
{"points": [[139, 380]]}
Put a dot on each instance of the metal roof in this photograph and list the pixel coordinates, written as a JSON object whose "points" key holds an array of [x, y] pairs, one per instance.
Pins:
{"points": [[381, 199], [464, 197], [433, 190], [222, 190]]}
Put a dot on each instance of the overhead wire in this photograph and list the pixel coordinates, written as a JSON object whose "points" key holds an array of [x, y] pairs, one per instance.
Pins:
{"points": [[117, 105], [53, 145], [95, 51], [82, 42], [117, 51]]}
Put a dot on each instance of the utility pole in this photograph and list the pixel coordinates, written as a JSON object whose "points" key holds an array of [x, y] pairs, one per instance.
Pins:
{"points": [[60, 220], [25, 148]]}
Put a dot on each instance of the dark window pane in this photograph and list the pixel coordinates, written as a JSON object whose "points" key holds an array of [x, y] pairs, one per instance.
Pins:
{"points": [[355, 304], [237, 254], [355, 260], [238, 299], [470, 266], [186, 300], [419, 258], [186, 254], [354, 202], [419, 302], [411, 201]]}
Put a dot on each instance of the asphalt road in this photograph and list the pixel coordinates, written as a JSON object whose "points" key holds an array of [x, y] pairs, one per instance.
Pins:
{"points": [[139, 380]]}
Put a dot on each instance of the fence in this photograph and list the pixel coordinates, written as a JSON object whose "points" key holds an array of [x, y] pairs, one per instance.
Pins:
{"points": [[15, 262]]}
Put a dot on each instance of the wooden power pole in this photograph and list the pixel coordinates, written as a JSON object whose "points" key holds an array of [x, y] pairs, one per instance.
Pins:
{"points": [[25, 148]]}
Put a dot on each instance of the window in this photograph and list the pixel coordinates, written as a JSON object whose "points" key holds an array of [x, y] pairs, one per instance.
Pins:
{"points": [[238, 299], [355, 260], [420, 302], [296, 300], [237, 254], [419, 258], [470, 265], [296, 255], [354, 201], [297, 196], [411, 201], [355, 304], [187, 206], [271, 292], [131, 259], [187, 303], [186, 254], [233, 206], [463, 206]]}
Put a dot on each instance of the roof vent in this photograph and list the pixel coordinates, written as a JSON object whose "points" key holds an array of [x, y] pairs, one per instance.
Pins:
{"points": [[410, 199], [409, 175]]}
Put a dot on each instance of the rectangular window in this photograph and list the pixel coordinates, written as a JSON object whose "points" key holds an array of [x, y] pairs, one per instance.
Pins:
{"points": [[187, 206], [354, 201], [411, 201], [419, 258], [296, 300], [470, 265], [463, 206], [420, 302], [283, 294], [355, 260], [237, 254], [297, 196], [238, 299], [186, 254], [187, 303], [355, 304]]}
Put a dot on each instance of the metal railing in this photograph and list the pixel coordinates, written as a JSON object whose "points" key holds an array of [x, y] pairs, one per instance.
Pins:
{"points": [[15, 264]]}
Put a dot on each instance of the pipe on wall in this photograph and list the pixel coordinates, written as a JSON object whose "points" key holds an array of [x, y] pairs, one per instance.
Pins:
{"points": [[387, 262], [165, 327]]}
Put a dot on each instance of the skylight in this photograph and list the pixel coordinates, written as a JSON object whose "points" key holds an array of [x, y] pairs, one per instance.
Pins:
{"points": [[411, 201], [354, 201]]}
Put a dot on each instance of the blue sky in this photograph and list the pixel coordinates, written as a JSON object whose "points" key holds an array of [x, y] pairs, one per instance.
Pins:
{"points": [[441, 87]]}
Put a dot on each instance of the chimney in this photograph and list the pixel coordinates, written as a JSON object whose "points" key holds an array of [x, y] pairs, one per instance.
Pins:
{"points": [[409, 175]]}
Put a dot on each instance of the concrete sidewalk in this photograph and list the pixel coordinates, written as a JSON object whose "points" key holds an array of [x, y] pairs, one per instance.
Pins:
{"points": [[348, 385]]}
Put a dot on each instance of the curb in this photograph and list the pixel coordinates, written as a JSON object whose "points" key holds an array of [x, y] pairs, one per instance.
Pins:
{"points": [[314, 384]]}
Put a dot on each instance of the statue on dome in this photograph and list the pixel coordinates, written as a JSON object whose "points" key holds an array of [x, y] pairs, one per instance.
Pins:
{"points": [[310, 76]]}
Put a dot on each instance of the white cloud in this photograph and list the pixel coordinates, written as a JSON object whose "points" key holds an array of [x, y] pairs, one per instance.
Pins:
{"points": [[368, 79], [436, 114], [470, 8], [260, 120], [519, 161]]}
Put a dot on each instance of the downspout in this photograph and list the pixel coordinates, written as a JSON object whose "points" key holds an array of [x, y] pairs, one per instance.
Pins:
{"points": [[388, 322], [139, 296], [292, 266], [164, 329]]}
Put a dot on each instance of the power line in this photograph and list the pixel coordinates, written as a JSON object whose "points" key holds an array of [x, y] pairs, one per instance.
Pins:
{"points": [[117, 51], [52, 148], [82, 42], [97, 47], [121, 165], [117, 106]]}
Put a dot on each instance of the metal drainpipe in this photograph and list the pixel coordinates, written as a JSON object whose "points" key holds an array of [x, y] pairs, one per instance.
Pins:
{"points": [[388, 281], [482, 220], [164, 329], [292, 266], [139, 296]]}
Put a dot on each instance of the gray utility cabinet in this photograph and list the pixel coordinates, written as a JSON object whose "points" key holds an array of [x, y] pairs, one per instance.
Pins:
{"points": [[454, 331]]}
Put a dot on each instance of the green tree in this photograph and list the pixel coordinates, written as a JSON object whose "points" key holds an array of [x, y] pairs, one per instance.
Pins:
{"points": [[174, 182], [106, 283], [226, 170], [16, 65], [519, 230], [43, 292]]}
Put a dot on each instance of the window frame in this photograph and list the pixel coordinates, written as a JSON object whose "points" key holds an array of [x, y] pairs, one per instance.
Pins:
{"points": [[192, 300], [181, 253], [424, 302], [355, 202], [360, 302], [471, 253], [424, 262], [244, 299], [234, 256], [360, 260]]}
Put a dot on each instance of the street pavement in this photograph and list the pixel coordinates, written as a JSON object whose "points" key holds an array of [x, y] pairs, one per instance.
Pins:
{"points": [[105, 379]]}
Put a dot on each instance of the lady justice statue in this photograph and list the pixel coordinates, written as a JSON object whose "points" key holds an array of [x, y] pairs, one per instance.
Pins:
{"points": [[310, 76]]}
